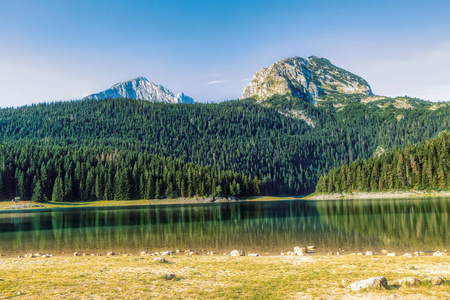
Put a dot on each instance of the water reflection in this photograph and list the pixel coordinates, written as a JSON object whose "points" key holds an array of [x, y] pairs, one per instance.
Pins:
{"points": [[260, 226]]}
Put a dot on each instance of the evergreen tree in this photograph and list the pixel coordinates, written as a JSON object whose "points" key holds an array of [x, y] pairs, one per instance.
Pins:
{"points": [[58, 191], [38, 193]]}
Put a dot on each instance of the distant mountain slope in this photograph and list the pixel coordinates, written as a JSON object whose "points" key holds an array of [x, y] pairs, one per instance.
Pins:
{"points": [[141, 88], [246, 136], [422, 166], [304, 79]]}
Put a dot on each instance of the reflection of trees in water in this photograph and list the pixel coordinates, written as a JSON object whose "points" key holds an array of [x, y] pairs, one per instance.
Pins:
{"points": [[418, 224], [254, 225]]}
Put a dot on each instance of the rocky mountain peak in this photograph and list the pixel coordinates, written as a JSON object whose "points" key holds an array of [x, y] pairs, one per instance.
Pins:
{"points": [[141, 88], [304, 78]]}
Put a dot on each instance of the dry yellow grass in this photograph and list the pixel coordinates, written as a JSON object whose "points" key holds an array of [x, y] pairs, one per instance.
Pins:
{"points": [[219, 277]]}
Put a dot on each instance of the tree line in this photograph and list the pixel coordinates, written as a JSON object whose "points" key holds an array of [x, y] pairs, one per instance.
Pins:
{"points": [[245, 136], [415, 167], [47, 172]]}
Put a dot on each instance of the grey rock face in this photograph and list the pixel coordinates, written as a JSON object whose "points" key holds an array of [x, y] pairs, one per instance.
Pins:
{"points": [[305, 79], [141, 88]]}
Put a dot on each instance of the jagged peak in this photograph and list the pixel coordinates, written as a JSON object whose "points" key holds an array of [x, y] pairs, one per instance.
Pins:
{"points": [[303, 78], [141, 88]]}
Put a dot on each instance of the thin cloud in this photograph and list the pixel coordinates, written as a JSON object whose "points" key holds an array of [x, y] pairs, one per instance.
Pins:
{"points": [[216, 81], [246, 79]]}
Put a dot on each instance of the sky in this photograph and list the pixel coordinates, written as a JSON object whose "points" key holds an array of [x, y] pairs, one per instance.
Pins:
{"points": [[65, 49]]}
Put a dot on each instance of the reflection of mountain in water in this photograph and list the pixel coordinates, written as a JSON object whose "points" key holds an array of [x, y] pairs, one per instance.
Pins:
{"points": [[263, 226]]}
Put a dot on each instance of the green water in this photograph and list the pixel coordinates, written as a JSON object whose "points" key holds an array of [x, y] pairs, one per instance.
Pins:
{"points": [[272, 226]]}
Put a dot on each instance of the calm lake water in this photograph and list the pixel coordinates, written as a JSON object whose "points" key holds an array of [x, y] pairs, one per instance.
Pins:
{"points": [[272, 226]]}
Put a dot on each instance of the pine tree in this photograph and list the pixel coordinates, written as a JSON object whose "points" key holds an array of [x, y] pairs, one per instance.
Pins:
{"points": [[1, 183], [58, 193], [38, 195]]}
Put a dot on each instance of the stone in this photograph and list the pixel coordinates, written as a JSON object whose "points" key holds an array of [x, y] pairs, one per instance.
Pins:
{"points": [[169, 276], [384, 251], [167, 253], [300, 251], [237, 253], [391, 254], [408, 255], [110, 254], [20, 256], [283, 253], [160, 260], [373, 283], [252, 254], [436, 280], [144, 253], [359, 253], [369, 253], [191, 253], [311, 248], [439, 253], [290, 253], [29, 255], [75, 254], [409, 281]]}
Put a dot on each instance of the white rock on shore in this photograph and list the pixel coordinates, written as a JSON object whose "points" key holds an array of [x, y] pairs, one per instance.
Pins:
{"points": [[374, 282]]}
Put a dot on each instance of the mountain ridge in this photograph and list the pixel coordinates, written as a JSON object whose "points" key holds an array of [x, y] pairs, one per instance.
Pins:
{"points": [[304, 78], [141, 88]]}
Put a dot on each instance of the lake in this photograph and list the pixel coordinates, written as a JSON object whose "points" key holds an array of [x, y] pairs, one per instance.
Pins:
{"points": [[262, 227]]}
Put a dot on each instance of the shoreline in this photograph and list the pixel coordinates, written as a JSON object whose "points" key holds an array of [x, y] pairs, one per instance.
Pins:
{"points": [[195, 253], [8, 206], [379, 195], [29, 206]]}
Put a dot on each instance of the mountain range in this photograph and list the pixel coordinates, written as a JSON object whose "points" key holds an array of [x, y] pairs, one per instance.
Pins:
{"points": [[296, 120]]}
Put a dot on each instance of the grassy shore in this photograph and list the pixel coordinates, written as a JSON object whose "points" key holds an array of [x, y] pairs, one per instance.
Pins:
{"points": [[9, 205], [28, 205], [378, 195], [218, 277]]}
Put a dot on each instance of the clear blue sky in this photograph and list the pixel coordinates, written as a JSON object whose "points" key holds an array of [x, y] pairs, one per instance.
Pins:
{"points": [[59, 50]]}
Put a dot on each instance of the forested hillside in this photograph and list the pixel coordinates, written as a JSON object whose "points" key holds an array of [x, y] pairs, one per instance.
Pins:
{"points": [[422, 166], [48, 172], [286, 142]]}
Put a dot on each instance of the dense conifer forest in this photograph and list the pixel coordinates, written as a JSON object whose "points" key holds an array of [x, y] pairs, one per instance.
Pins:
{"points": [[422, 166], [265, 140], [48, 172]]}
